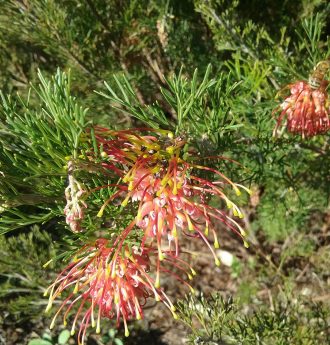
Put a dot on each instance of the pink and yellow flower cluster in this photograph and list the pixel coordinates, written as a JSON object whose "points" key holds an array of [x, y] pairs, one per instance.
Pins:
{"points": [[171, 199]]}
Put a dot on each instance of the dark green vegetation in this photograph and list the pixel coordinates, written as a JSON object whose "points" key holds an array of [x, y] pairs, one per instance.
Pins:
{"points": [[148, 53]]}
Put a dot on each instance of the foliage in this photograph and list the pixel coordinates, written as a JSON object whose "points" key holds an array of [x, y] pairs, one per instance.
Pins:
{"points": [[210, 71], [213, 320]]}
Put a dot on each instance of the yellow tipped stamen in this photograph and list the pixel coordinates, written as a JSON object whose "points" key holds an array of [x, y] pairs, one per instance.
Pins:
{"points": [[76, 288], [193, 271], [190, 224], [53, 323], [126, 328], [249, 191], [246, 244], [104, 154], [125, 201], [175, 316], [98, 323], [216, 243], [190, 276], [237, 191], [47, 263], [92, 315], [229, 204], [157, 282], [217, 262]]}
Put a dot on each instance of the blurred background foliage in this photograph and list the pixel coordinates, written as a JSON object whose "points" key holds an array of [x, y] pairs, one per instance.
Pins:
{"points": [[148, 51]]}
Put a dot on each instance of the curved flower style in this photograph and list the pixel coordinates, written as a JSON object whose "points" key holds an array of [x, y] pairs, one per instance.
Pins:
{"points": [[307, 109], [108, 283], [170, 196]]}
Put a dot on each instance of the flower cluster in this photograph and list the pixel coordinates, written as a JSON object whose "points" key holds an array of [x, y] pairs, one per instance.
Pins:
{"points": [[158, 179], [307, 108], [108, 282], [170, 196]]}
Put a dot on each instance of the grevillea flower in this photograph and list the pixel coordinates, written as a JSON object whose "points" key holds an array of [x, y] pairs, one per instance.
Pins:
{"points": [[307, 108], [74, 209], [106, 280], [170, 196]]}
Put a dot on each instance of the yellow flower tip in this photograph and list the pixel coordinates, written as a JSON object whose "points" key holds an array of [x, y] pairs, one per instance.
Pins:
{"points": [[229, 204], [190, 277], [76, 288], [237, 191], [241, 215], [139, 216], [104, 154], [170, 150], [157, 284], [100, 213], [98, 329], [173, 309], [243, 233], [192, 290], [65, 323], [161, 256], [46, 293], [72, 332], [124, 203], [47, 263], [48, 308], [145, 156], [175, 316], [67, 158], [206, 231], [157, 298], [170, 135], [246, 244], [193, 271], [126, 333], [216, 244], [138, 316], [217, 262]]}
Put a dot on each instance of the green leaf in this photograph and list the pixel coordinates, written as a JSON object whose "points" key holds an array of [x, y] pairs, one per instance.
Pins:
{"points": [[39, 341], [63, 337], [118, 341]]}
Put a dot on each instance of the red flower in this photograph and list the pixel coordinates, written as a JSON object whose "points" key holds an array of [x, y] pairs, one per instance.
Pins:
{"points": [[170, 196], [107, 282], [307, 108]]}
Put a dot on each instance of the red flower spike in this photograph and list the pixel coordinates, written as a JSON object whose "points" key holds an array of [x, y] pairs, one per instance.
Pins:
{"points": [[106, 282], [307, 108], [170, 197]]}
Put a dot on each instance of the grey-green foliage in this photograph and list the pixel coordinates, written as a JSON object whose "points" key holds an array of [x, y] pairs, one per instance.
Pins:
{"points": [[22, 276], [214, 320], [36, 143]]}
